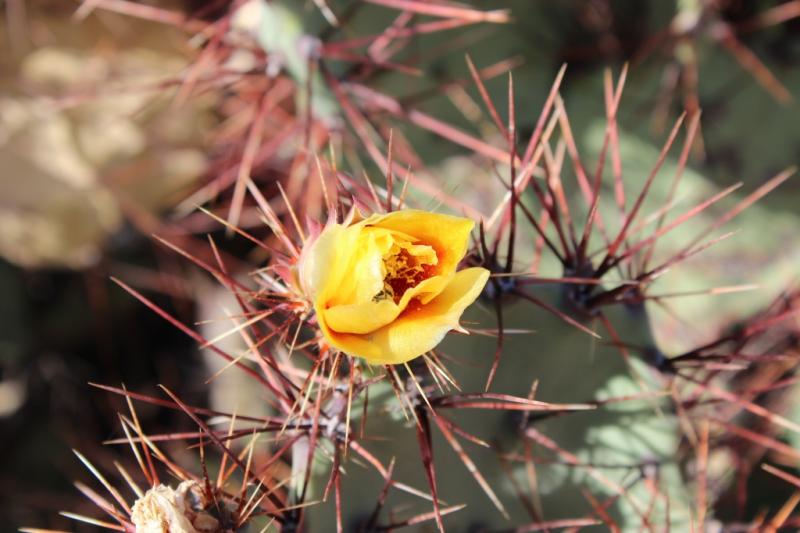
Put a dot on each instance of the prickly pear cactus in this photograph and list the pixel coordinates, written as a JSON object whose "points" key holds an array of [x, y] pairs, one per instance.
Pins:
{"points": [[557, 327]]}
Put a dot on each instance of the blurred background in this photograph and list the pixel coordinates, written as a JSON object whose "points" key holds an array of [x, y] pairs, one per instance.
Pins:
{"points": [[111, 131]]}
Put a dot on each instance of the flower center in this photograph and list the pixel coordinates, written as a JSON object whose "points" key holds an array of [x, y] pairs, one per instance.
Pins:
{"points": [[404, 271]]}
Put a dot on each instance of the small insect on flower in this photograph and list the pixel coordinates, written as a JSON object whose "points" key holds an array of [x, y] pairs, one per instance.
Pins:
{"points": [[386, 288]]}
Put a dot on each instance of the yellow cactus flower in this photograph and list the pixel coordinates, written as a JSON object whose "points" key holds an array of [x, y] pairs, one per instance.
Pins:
{"points": [[386, 288]]}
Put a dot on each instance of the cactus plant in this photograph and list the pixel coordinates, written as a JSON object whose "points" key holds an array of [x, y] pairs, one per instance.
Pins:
{"points": [[569, 395]]}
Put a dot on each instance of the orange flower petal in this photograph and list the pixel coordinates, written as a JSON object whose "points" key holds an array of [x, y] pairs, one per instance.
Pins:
{"points": [[368, 316], [448, 235], [419, 330]]}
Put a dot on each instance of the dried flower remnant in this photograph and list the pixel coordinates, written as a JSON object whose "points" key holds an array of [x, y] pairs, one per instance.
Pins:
{"points": [[386, 288], [166, 510]]}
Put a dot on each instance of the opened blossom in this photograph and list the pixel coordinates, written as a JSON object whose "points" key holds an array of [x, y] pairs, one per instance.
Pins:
{"points": [[386, 288]]}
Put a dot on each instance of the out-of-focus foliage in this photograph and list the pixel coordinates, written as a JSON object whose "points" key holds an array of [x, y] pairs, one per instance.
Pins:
{"points": [[88, 136]]}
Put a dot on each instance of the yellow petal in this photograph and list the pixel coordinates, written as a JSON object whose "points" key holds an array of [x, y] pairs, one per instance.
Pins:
{"points": [[368, 316], [360, 318], [448, 235], [418, 330], [324, 262], [366, 271]]}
